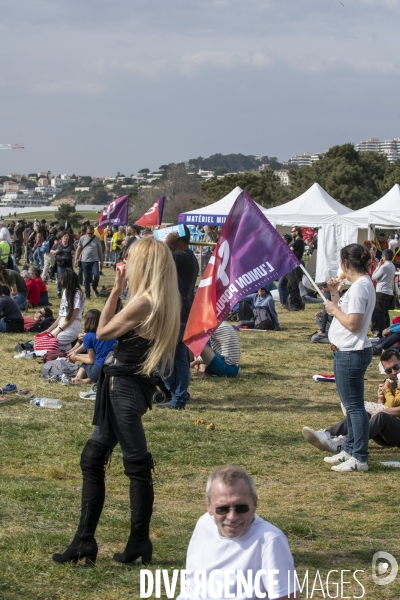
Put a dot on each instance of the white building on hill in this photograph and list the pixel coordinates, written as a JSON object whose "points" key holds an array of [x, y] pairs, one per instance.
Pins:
{"points": [[22, 199], [390, 148]]}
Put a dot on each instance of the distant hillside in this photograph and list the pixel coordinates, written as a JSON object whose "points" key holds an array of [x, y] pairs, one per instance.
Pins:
{"points": [[232, 163]]}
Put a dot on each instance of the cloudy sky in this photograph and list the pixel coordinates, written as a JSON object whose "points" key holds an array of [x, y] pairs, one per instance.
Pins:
{"points": [[101, 86]]}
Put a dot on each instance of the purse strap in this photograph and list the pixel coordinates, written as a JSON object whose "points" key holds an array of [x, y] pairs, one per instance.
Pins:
{"points": [[87, 243]]}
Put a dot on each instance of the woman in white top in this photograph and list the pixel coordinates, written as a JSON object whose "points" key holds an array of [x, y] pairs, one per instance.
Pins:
{"points": [[352, 352], [68, 325]]}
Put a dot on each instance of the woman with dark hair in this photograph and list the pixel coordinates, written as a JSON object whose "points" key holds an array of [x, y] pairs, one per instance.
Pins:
{"points": [[67, 326], [63, 251], [352, 351]]}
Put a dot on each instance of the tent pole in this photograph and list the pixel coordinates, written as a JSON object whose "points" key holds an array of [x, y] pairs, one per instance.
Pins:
{"points": [[307, 274]]}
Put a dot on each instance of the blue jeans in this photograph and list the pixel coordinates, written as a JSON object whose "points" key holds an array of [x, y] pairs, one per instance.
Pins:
{"points": [[115, 256], [38, 257], [220, 368], [59, 271], [282, 289], [3, 327], [350, 368], [92, 371], [387, 342], [20, 301], [91, 275], [178, 381]]}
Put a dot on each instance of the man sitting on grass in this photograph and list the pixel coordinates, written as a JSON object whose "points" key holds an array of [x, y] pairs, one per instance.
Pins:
{"points": [[11, 320], [391, 336], [230, 541], [384, 425], [221, 355], [16, 283]]}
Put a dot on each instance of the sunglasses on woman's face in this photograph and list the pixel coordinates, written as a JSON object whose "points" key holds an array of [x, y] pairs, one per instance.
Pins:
{"points": [[240, 509]]}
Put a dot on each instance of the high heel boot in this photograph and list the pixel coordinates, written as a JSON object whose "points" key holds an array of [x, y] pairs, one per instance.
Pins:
{"points": [[141, 496], [84, 546]]}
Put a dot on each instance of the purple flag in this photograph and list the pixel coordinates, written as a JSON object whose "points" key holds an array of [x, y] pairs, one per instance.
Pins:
{"points": [[115, 214], [250, 253]]}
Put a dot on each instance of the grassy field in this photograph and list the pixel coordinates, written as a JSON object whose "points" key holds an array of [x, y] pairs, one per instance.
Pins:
{"points": [[49, 215], [333, 521]]}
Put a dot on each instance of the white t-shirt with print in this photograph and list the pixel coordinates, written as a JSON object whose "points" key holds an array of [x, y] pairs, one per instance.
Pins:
{"points": [[359, 299], [79, 302], [263, 546]]}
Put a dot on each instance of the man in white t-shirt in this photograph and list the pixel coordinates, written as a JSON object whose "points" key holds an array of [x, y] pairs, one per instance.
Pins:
{"points": [[230, 539]]}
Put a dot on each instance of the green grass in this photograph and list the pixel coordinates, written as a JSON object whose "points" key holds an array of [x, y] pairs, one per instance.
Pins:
{"points": [[333, 521], [49, 215]]}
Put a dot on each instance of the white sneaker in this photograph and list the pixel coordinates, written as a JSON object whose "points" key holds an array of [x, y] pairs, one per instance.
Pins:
{"points": [[338, 458], [26, 354], [87, 395], [352, 464], [338, 443], [66, 380], [320, 439]]}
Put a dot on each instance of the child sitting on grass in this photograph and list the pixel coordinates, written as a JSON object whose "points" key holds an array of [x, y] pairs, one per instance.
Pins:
{"points": [[97, 350]]}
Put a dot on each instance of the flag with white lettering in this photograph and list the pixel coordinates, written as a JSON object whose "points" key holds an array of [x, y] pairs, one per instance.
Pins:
{"points": [[249, 254], [154, 215], [115, 214]]}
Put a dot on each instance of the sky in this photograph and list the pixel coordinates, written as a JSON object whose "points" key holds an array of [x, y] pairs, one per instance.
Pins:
{"points": [[101, 86]]}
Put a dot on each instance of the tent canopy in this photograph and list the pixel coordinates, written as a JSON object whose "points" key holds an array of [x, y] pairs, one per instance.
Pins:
{"points": [[384, 212], [314, 207], [213, 214]]}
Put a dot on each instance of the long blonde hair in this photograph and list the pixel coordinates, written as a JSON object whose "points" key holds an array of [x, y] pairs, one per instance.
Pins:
{"points": [[151, 274]]}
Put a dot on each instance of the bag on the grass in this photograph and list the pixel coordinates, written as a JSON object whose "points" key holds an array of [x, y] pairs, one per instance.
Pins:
{"points": [[105, 291], [56, 368], [263, 319], [45, 341], [53, 355]]}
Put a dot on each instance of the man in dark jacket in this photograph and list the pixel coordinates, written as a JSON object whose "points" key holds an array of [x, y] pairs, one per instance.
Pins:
{"points": [[11, 320], [188, 269]]}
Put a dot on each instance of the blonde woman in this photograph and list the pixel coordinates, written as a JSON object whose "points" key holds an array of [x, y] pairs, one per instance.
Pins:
{"points": [[147, 331]]}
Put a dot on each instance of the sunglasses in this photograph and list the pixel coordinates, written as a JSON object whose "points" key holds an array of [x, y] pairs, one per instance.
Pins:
{"points": [[396, 367], [240, 509]]}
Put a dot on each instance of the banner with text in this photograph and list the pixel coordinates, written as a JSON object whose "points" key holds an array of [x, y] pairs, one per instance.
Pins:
{"points": [[249, 254], [115, 214], [154, 215]]}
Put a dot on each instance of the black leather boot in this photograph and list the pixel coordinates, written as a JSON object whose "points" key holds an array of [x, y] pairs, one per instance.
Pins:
{"points": [[141, 497], [93, 460]]}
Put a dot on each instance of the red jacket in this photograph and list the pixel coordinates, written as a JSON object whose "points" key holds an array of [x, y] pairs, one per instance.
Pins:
{"points": [[41, 284], [33, 292]]}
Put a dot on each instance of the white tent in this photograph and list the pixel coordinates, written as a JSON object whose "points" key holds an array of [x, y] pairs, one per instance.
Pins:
{"points": [[313, 208], [316, 208], [384, 212], [213, 214]]}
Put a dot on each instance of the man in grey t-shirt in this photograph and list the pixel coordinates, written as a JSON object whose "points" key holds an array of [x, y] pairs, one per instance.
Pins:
{"points": [[90, 252], [384, 276]]}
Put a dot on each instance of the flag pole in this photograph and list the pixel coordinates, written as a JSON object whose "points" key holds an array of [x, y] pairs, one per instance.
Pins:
{"points": [[307, 274]]}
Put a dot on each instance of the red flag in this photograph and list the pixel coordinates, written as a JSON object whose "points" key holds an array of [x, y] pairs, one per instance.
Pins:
{"points": [[154, 215]]}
